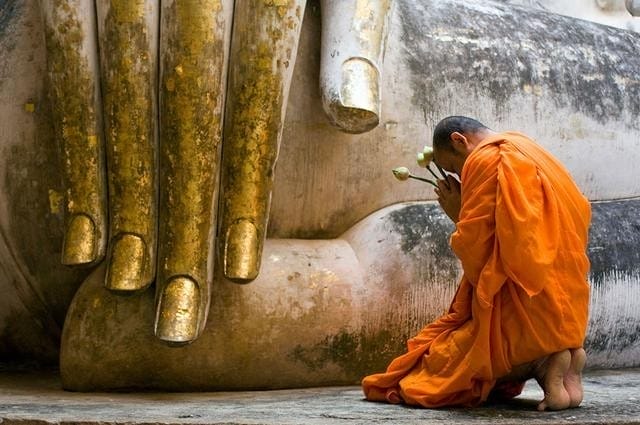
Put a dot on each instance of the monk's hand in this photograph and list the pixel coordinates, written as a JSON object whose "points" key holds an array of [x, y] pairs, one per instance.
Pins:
{"points": [[449, 197]]}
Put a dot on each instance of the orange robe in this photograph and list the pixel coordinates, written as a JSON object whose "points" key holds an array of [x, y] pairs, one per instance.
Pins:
{"points": [[521, 238]]}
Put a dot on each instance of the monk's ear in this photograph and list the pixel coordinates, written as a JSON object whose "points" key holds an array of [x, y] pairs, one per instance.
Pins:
{"points": [[459, 142]]}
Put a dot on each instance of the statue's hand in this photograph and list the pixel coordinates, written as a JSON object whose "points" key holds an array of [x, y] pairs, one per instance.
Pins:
{"points": [[159, 181], [162, 142], [159, 177]]}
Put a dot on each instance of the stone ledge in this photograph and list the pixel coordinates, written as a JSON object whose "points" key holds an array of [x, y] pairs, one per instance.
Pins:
{"points": [[611, 397]]}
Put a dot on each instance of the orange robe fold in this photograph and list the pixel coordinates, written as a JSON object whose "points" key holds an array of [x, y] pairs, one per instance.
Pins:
{"points": [[521, 239]]}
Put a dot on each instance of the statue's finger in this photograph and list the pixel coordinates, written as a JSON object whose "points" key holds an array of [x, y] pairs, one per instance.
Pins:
{"points": [[263, 51], [72, 64], [128, 35], [353, 35], [194, 49]]}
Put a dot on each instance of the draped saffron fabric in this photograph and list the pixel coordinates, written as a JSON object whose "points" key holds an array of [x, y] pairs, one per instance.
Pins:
{"points": [[521, 238]]}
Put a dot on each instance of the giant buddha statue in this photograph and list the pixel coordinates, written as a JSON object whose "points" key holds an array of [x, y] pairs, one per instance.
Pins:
{"points": [[203, 188]]}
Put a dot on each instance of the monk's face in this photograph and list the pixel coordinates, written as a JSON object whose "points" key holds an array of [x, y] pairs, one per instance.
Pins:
{"points": [[449, 160], [452, 160]]}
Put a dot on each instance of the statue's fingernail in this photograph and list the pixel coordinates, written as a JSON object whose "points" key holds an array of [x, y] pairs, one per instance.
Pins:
{"points": [[241, 256], [79, 246], [126, 263], [360, 93], [177, 314]]}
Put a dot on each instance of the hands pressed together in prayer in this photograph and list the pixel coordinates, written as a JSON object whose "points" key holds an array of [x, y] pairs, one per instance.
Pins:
{"points": [[449, 197]]}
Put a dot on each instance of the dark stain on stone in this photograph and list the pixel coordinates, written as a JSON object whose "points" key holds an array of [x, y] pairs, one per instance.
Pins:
{"points": [[356, 353], [34, 235], [9, 10], [26, 341], [421, 223], [623, 337], [614, 239], [424, 232], [587, 67]]}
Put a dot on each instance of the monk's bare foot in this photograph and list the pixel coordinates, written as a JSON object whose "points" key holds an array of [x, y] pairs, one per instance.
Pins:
{"points": [[393, 397], [573, 377], [551, 375]]}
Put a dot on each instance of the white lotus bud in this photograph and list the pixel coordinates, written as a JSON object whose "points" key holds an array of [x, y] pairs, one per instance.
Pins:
{"points": [[422, 160], [428, 153], [401, 173], [425, 157]]}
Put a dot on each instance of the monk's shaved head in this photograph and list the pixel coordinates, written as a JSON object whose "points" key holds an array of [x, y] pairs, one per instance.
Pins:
{"points": [[449, 125]]}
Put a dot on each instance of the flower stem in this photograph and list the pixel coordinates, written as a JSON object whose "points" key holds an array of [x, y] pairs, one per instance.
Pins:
{"points": [[423, 180], [444, 175], [434, 174]]}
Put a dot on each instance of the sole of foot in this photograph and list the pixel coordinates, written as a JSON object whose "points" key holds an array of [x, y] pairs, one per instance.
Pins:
{"points": [[551, 376], [573, 377]]}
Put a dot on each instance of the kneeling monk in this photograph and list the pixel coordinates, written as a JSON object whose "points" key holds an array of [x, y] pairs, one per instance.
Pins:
{"points": [[521, 308]]}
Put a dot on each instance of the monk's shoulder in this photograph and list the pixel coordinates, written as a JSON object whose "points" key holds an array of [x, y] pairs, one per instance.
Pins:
{"points": [[481, 163], [524, 143], [487, 152]]}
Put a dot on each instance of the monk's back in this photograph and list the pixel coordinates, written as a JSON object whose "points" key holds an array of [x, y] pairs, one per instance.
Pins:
{"points": [[541, 229]]}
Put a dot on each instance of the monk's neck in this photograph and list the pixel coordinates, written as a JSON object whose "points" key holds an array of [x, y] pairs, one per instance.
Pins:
{"points": [[479, 136]]}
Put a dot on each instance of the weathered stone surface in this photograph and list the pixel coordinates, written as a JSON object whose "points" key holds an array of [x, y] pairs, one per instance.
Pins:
{"points": [[608, 12], [573, 85], [344, 310], [570, 84], [614, 322], [611, 397], [36, 288]]}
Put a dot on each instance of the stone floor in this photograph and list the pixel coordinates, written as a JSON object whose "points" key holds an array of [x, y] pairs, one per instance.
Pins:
{"points": [[611, 397]]}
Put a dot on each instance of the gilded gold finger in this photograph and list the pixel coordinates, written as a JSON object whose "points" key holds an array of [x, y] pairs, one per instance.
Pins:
{"points": [[194, 49], [261, 66], [353, 34], [74, 91], [128, 34]]}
